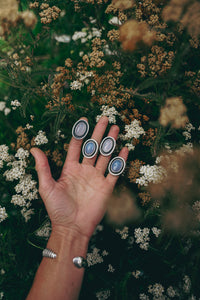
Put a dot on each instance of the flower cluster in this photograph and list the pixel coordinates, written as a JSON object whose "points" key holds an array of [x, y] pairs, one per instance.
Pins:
{"points": [[3, 214], [109, 112], [149, 174]]}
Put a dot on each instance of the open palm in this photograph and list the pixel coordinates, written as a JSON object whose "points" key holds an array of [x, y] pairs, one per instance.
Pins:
{"points": [[77, 200]]}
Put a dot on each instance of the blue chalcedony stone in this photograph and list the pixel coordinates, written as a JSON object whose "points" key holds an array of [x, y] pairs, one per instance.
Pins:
{"points": [[90, 148], [116, 166]]}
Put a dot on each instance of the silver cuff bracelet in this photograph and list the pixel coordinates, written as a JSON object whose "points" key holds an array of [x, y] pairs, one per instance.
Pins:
{"points": [[49, 253]]}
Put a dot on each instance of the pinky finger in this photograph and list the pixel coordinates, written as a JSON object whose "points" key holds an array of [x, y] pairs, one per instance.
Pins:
{"points": [[112, 179]]}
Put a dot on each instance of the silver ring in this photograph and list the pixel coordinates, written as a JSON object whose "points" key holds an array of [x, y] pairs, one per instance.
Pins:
{"points": [[116, 166], [80, 129], [107, 146], [90, 148]]}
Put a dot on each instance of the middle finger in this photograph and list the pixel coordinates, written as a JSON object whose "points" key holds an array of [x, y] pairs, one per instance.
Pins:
{"points": [[97, 135]]}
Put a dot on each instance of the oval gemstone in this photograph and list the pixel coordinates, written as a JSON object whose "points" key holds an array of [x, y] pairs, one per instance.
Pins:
{"points": [[80, 129], [117, 166], [107, 145], [90, 148]]}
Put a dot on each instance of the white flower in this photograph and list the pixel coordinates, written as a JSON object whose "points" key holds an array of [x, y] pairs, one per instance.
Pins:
{"points": [[134, 130], [18, 200], [156, 231], [4, 153], [2, 272], [21, 153], [78, 35], [94, 257], [41, 138], [26, 213], [28, 126], [15, 104], [115, 21], [171, 292], [137, 274], [102, 295], [1, 295], [157, 290], [142, 237], [7, 111], [2, 105], [143, 297], [1, 164], [109, 112], [3, 214], [44, 231], [187, 284], [17, 171], [153, 174], [63, 38], [76, 85], [196, 208], [110, 268], [123, 233], [130, 146]]}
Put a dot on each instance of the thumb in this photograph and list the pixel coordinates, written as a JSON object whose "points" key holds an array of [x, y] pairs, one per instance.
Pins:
{"points": [[43, 170]]}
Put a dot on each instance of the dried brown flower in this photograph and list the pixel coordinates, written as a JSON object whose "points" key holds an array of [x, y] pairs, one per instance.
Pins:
{"points": [[123, 4], [179, 190], [122, 209], [133, 32], [174, 113]]}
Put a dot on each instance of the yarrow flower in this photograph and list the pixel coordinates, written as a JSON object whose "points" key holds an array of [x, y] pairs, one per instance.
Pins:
{"points": [[134, 130], [156, 290], [142, 237], [15, 104], [94, 257], [3, 214], [102, 295], [156, 231], [41, 138], [153, 174], [123, 233], [17, 170], [109, 112], [4, 155], [76, 85], [21, 153]]}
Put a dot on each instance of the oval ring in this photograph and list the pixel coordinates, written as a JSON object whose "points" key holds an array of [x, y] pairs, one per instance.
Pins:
{"points": [[90, 148], [80, 129], [107, 146], [116, 166]]}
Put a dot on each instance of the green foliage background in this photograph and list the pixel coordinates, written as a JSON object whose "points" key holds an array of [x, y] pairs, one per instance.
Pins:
{"points": [[166, 261]]}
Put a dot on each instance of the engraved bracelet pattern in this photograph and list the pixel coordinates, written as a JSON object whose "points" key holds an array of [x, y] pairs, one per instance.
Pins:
{"points": [[49, 253]]}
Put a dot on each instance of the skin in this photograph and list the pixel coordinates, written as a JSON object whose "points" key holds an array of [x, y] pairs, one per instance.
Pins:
{"points": [[75, 203]]}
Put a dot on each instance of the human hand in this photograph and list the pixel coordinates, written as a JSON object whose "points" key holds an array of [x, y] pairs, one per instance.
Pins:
{"points": [[77, 200]]}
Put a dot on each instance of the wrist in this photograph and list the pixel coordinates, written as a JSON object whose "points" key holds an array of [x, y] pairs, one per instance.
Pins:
{"points": [[67, 243]]}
